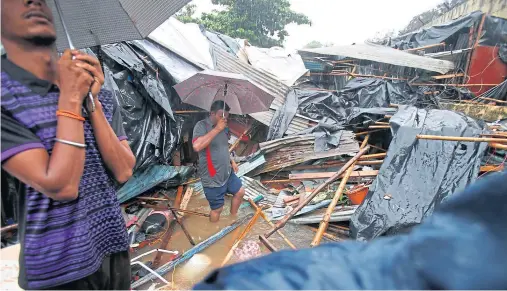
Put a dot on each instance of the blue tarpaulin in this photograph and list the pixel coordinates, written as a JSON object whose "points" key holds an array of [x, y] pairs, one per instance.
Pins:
{"points": [[462, 246], [150, 177]]}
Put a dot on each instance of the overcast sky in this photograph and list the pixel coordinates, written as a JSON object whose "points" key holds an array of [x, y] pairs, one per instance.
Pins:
{"points": [[345, 21]]}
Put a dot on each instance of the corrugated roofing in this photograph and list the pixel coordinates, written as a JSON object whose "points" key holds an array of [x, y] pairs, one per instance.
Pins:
{"points": [[383, 54], [226, 62], [229, 63]]}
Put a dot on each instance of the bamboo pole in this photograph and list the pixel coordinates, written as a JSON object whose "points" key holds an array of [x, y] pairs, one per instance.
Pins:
{"points": [[455, 85], [179, 194], [498, 146], [241, 236], [317, 190], [379, 126], [152, 199], [373, 156], [461, 138], [382, 123], [367, 132], [263, 215], [337, 196], [425, 47], [166, 268], [165, 208], [492, 100], [327, 235], [236, 143]]}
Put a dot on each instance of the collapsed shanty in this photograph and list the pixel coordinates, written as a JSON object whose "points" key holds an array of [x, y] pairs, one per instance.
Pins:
{"points": [[364, 139]]}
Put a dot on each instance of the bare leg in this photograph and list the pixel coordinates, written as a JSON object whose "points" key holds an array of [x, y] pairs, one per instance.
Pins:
{"points": [[236, 201], [214, 215]]}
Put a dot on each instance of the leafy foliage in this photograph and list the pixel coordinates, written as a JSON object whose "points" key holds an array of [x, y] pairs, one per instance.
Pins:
{"points": [[262, 22]]}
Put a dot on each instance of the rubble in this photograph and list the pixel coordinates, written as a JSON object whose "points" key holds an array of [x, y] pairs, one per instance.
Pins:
{"points": [[363, 118]]}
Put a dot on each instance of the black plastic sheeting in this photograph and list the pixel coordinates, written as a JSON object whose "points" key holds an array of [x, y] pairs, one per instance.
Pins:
{"points": [[362, 101], [417, 175], [494, 32], [462, 246], [145, 97], [436, 34]]}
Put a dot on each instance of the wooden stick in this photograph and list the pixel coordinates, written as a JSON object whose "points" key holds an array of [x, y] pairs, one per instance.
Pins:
{"points": [[461, 138], [491, 168], [236, 143], [325, 175], [447, 76], [455, 85], [180, 222], [179, 193], [479, 32], [152, 199], [378, 148], [166, 268], [496, 134], [291, 198], [241, 236], [330, 165], [337, 196], [267, 244], [388, 116], [425, 47], [263, 215], [382, 123], [373, 156], [367, 132], [186, 198], [379, 126], [498, 146], [327, 235], [317, 190], [493, 100], [165, 208]]}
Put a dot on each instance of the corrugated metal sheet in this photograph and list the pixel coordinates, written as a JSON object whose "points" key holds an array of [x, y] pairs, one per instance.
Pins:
{"points": [[290, 151], [383, 54], [226, 62], [229, 63]]}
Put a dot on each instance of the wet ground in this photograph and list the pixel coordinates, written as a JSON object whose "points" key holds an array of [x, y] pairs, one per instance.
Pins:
{"points": [[189, 273]]}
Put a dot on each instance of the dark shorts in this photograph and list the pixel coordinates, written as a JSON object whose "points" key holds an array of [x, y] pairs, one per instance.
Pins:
{"points": [[113, 274], [216, 195]]}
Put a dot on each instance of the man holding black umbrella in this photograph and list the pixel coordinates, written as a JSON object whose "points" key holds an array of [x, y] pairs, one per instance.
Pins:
{"points": [[216, 168], [71, 229]]}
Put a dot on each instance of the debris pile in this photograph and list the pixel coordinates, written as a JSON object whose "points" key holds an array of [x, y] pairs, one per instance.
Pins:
{"points": [[364, 142]]}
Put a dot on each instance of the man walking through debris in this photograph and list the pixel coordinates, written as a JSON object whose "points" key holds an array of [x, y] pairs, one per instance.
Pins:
{"points": [[71, 228], [210, 140]]}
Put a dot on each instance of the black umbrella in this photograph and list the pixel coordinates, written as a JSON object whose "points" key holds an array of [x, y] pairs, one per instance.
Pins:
{"points": [[88, 23]]}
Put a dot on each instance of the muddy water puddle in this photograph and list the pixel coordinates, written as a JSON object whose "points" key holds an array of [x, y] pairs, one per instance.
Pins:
{"points": [[187, 274]]}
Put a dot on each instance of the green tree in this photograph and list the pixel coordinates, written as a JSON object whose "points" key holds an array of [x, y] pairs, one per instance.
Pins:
{"points": [[262, 22], [186, 14]]}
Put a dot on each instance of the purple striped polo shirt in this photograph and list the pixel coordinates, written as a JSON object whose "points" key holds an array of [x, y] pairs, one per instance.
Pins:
{"points": [[61, 241]]}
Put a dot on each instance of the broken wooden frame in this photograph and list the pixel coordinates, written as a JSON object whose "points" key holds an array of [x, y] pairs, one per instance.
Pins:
{"points": [[264, 239]]}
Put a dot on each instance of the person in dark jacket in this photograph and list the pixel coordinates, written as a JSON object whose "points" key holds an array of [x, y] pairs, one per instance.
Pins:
{"points": [[463, 245], [65, 159]]}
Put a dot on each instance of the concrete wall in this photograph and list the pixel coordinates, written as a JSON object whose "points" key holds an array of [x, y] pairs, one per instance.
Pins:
{"points": [[493, 7]]}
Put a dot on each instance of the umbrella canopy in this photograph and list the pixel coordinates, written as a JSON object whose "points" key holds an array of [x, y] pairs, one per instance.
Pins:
{"points": [[91, 22], [240, 93]]}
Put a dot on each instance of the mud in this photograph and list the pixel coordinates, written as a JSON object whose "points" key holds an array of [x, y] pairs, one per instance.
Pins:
{"points": [[195, 269]]}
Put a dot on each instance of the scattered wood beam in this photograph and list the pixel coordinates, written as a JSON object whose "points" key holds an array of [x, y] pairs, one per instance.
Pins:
{"points": [[315, 192], [449, 76], [326, 175], [462, 138], [190, 253]]}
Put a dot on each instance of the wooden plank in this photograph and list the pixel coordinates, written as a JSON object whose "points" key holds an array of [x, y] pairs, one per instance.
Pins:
{"points": [[449, 76], [186, 199], [179, 193], [462, 138], [190, 253], [326, 175]]}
